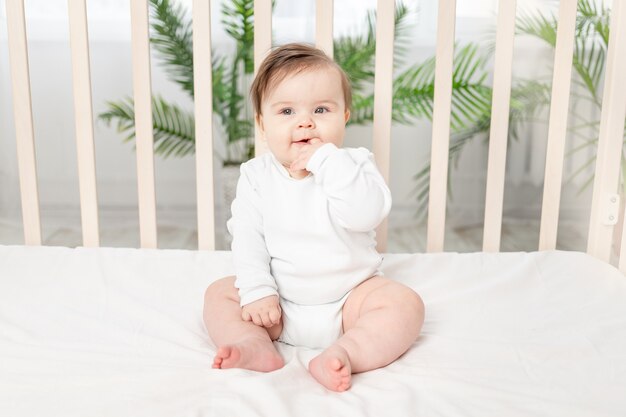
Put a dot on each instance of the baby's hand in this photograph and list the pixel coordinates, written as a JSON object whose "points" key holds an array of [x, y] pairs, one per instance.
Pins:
{"points": [[306, 152], [264, 312]]}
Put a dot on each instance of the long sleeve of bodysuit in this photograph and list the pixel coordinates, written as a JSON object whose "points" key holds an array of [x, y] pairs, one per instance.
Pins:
{"points": [[250, 255], [359, 198]]}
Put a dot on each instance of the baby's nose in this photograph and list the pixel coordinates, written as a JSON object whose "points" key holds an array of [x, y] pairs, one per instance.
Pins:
{"points": [[306, 123]]}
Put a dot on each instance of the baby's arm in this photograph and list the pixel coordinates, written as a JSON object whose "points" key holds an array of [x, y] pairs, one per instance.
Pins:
{"points": [[357, 193], [264, 312], [258, 291]]}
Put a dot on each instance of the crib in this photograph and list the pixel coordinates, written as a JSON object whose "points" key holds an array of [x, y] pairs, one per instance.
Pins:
{"points": [[97, 331]]}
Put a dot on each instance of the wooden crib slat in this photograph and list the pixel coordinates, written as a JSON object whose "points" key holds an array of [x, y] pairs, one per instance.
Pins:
{"points": [[203, 93], [143, 123], [622, 254], [499, 129], [383, 91], [23, 116], [83, 115], [441, 125], [610, 138], [262, 46], [557, 129], [324, 26]]}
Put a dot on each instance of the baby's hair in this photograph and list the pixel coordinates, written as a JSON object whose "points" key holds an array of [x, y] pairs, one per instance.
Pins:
{"points": [[291, 59]]}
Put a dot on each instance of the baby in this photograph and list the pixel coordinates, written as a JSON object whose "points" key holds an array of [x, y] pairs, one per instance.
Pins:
{"points": [[303, 220]]}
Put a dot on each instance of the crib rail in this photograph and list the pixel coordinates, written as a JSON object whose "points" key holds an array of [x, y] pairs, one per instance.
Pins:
{"points": [[142, 94], [558, 124], [499, 129], [83, 116], [610, 142], [602, 226], [203, 100], [23, 115], [383, 67], [441, 125]]}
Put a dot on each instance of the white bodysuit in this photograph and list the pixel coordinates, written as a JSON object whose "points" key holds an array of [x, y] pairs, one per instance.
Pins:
{"points": [[311, 240]]}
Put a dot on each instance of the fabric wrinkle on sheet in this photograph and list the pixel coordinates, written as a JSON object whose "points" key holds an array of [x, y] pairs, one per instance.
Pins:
{"points": [[314, 326]]}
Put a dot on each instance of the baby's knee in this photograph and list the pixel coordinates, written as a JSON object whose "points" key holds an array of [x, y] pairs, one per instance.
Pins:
{"points": [[417, 302], [413, 304], [222, 288]]}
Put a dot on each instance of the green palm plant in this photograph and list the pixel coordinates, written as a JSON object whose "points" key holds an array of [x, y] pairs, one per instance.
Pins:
{"points": [[173, 127], [530, 98], [470, 111], [413, 87], [588, 63]]}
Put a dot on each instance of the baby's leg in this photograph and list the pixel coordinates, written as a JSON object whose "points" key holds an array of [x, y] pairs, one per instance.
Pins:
{"points": [[240, 344], [381, 320]]}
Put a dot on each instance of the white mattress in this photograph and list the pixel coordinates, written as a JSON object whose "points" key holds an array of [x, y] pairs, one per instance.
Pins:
{"points": [[119, 332]]}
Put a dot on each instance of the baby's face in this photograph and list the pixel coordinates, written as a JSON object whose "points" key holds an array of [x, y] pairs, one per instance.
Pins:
{"points": [[303, 106]]}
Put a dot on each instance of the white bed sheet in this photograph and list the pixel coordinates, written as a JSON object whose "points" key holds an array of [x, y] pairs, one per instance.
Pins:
{"points": [[119, 332]]}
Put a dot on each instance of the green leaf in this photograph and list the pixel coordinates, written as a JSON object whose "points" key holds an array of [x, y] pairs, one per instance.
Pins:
{"points": [[238, 19], [355, 54], [172, 38], [173, 129]]}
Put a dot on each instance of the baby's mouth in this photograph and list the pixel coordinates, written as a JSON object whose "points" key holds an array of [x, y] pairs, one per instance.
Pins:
{"points": [[308, 140]]}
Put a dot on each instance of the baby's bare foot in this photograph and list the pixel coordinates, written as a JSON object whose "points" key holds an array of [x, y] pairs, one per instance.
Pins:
{"points": [[255, 355], [332, 368]]}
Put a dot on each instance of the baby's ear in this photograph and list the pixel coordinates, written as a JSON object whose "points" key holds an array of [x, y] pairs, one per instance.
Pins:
{"points": [[346, 116]]}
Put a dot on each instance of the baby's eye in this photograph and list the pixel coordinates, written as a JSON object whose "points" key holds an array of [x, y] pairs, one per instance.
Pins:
{"points": [[321, 110], [286, 112]]}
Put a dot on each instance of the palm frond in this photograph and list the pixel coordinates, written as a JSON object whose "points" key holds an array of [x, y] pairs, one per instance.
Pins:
{"points": [[589, 59], [528, 99], [596, 16], [238, 19], [221, 87], [122, 113], [355, 54], [172, 38], [362, 109], [591, 41], [538, 26], [471, 98], [356, 58], [458, 141], [173, 129], [471, 106], [413, 92]]}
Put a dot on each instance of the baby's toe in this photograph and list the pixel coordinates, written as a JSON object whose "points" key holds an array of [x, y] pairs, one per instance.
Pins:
{"points": [[344, 385], [217, 362]]}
